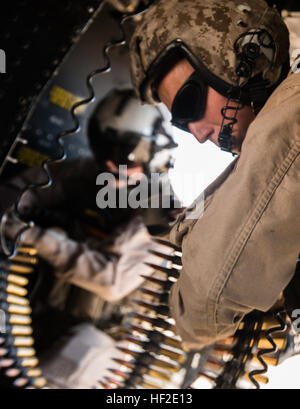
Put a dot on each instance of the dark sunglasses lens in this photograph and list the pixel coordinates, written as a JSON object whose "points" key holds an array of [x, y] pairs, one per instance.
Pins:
{"points": [[187, 103], [180, 125]]}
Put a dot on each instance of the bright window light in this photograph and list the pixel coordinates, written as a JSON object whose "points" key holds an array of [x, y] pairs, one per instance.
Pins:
{"points": [[196, 166]]}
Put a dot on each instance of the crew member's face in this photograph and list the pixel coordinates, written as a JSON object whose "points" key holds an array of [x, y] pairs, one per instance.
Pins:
{"points": [[208, 128]]}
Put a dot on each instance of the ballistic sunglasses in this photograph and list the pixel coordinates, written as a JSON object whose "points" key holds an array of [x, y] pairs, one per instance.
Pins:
{"points": [[190, 102]]}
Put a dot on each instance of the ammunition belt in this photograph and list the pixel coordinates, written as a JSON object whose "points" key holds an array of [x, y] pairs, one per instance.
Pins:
{"points": [[18, 361]]}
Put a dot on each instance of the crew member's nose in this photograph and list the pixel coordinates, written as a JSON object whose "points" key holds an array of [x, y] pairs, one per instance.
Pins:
{"points": [[200, 131]]}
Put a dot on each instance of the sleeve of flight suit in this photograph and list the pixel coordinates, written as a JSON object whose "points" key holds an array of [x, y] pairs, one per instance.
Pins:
{"points": [[242, 252]]}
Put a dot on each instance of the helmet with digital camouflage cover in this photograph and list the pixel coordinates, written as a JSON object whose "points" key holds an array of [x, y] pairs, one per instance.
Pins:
{"points": [[240, 43]]}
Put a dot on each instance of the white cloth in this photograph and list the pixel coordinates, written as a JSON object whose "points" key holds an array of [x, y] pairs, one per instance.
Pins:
{"points": [[82, 360]]}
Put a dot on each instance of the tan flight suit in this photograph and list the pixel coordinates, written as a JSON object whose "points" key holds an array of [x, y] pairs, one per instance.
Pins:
{"points": [[242, 252]]}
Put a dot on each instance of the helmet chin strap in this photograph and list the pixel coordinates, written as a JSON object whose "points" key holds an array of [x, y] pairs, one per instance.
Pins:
{"points": [[250, 53], [257, 88], [226, 139]]}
